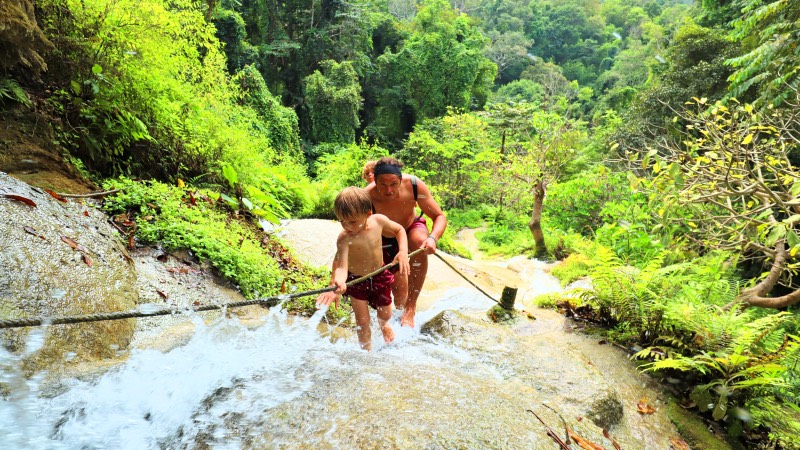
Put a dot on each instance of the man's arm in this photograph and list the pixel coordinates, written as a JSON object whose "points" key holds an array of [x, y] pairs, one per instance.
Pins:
{"points": [[431, 209]]}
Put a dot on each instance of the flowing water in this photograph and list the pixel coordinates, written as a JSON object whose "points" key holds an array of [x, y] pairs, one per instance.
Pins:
{"points": [[294, 383]]}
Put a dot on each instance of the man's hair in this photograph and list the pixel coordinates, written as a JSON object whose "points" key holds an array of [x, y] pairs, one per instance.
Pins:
{"points": [[352, 201], [369, 167], [388, 165]]}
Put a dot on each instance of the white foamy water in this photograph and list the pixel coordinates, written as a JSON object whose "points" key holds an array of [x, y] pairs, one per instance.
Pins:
{"points": [[162, 399]]}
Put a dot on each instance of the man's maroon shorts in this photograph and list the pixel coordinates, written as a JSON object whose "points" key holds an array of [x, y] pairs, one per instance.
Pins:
{"points": [[376, 290], [391, 246]]}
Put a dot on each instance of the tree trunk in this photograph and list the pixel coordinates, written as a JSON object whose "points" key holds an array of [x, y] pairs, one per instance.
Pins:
{"points": [[755, 296], [535, 225]]}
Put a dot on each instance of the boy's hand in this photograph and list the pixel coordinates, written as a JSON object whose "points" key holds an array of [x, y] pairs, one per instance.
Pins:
{"points": [[326, 298], [402, 261], [341, 286]]}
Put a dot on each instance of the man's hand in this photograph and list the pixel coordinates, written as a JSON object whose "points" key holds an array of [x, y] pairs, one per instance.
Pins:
{"points": [[429, 245]]}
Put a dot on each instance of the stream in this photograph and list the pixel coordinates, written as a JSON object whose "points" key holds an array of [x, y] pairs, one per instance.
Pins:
{"points": [[280, 382]]}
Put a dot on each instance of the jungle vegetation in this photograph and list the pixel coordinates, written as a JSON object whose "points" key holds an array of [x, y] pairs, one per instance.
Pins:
{"points": [[652, 145]]}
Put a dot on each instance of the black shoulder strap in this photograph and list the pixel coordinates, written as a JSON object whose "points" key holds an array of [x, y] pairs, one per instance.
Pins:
{"points": [[414, 186]]}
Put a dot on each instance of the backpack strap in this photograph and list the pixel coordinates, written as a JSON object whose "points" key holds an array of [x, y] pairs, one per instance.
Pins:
{"points": [[414, 186]]}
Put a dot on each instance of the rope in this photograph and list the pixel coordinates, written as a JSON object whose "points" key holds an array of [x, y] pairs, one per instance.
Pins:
{"points": [[268, 301], [465, 277]]}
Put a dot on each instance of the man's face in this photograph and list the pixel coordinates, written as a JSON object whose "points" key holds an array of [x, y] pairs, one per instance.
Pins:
{"points": [[388, 185]]}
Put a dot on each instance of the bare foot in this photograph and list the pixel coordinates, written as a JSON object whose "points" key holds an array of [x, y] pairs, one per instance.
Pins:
{"points": [[408, 318], [388, 333]]}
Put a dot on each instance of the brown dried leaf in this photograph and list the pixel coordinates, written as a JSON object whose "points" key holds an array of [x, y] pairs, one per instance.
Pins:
{"points": [[20, 198], [613, 442], [583, 443], [283, 287], [163, 294], [31, 230], [131, 241], [87, 260], [678, 444], [86, 213], [71, 242], [56, 196], [643, 408], [182, 270], [192, 199]]}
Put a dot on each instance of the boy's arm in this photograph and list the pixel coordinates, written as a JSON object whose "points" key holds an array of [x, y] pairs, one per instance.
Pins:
{"points": [[395, 229], [338, 275]]}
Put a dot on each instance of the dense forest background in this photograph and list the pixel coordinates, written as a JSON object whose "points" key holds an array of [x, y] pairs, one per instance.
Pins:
{"points": [[651, 145]]}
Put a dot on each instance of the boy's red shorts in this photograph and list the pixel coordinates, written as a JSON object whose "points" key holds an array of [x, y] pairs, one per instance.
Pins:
{"points": [[377, 291]]}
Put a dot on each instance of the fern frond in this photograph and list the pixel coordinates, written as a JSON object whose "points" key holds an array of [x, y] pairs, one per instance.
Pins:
{"points": [[10, 89]]}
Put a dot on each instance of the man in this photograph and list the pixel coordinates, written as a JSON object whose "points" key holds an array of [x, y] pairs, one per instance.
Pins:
{"points": [[396, 196]]}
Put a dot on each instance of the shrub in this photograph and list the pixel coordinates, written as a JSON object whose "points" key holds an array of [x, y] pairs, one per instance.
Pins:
{"points": [[180, 218]]}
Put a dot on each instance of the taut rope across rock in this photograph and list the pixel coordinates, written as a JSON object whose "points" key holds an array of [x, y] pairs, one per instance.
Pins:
{"points": [[268, 301]]}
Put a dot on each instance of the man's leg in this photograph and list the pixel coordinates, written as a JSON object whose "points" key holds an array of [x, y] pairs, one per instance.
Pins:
{"points": [[419, 269]]}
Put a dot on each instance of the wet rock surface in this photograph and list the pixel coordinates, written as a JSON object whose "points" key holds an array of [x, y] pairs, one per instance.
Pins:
{"points": [[62, 258]]}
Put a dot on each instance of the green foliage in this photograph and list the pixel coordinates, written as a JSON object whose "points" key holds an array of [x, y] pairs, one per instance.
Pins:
{"points": [[279, 122], [695, 67], [745, 380], [333, 100], [772, 64], [439, 65], [179, 218], [11, 90], [574, 267], [450, 154], [338, 167], [22, 43], [519, 91], [577, 204], [231, 32], [163, 105]]}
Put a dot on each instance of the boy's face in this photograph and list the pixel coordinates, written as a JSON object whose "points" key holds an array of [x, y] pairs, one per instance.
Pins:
{"points": [[353, 224]]}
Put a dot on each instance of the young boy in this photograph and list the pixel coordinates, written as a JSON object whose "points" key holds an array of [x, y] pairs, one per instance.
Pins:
{"points": [[359, 253]]}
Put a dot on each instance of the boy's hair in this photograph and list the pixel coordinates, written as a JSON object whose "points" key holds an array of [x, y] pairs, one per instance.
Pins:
{"points": [[369, 166], [352, 201]]}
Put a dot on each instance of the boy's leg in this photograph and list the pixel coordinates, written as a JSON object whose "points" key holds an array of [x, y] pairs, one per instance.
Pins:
{"points": [[384, 314], [361, 310]]}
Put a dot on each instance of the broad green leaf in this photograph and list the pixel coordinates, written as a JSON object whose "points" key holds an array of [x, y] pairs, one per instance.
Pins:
{"points": [[776, 233], [747, 139], [721, 408], [795, 191], [247, 203], [230, 201], [792, 219], [792, 239], [230, 174]]}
